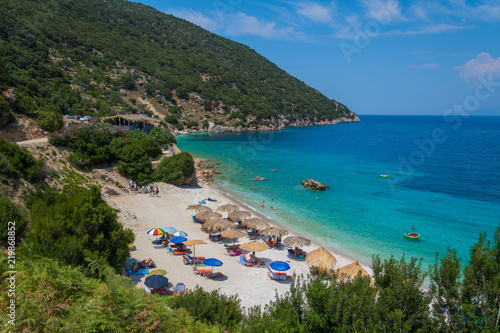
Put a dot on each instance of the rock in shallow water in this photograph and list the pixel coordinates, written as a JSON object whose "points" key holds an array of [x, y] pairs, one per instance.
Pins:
{"points": [[313, 184]]}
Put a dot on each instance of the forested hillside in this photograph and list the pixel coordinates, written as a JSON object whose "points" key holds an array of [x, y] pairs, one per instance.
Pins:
{"points": [[101, 58]]}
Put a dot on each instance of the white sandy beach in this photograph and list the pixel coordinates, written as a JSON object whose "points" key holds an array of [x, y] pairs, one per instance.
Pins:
{"points": [[140, 212]]}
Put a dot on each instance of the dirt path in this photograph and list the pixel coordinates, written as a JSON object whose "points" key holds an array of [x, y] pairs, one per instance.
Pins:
{"points": [[34, 141]]}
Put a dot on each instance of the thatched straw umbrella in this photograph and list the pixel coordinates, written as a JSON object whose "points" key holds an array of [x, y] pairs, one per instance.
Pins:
{"points": [[254, 246], [295, 241], [200, 208], [254, 223], [238, 215], [228, 208], [219, 225], [322, 259], [353, 270], [233, 233], [194, 242], [274, 232], [208, 216]]}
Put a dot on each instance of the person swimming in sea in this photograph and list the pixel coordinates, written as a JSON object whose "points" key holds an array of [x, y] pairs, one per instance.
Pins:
{"points": [[413, 227], [262, 204], [272, 208]]}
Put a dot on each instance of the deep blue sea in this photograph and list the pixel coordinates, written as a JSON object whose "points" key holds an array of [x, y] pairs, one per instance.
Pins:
{"points": [[444, 178]]}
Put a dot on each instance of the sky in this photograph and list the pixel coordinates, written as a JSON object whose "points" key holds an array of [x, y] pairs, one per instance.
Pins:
{"points": [[390, 57]]}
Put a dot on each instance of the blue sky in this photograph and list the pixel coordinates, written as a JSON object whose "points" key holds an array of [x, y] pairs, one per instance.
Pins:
{"points": [[377, 57]]}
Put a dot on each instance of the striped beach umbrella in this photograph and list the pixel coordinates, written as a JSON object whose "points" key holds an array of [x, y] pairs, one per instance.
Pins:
{"points": [[156, 232]]}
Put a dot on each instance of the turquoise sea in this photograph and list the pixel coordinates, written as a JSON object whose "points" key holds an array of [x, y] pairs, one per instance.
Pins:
{"points": [[444, 178]]}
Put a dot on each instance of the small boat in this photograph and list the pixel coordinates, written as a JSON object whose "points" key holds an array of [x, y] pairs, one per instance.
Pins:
{"points": [[384, 176], [412, 235]]}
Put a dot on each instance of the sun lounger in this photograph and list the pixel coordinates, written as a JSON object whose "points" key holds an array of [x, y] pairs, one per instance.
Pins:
{"points": [[202, 272], [244, 261], [141, 271], [175, 252], [215, 238], [278, 276], [233, 253], [188, 260], [214, 276]]}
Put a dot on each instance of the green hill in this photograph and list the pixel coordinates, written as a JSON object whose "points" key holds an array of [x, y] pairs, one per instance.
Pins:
{"points": [[101, 58]]}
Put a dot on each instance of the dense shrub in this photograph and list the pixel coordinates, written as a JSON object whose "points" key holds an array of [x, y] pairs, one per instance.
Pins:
{"points": [[6, 115], [76, 225], [49, 121], [18, 163], [175, 168], [223, 310], [60, 298], [162, 136], [15, 215], [192, 123], [135, 164]]}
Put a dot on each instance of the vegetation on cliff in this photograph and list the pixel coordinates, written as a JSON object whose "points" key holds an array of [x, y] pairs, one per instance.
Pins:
{"points": [[92, 144], [102, 58]]}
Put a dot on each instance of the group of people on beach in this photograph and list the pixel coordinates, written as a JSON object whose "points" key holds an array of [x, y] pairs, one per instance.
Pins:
{"points": [[142, 264], [152, 190]]}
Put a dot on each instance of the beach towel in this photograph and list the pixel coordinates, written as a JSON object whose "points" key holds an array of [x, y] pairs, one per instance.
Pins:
{"points": [[138, 272]]}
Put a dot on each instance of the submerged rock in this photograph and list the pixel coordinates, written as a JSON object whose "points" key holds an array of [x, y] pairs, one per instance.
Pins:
{"points": [[314, 184], [259, 178]]}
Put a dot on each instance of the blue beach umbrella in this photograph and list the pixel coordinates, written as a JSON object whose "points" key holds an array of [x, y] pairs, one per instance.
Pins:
{"points": [[170, 230], [279, 266], [212, 262], [180, 233], [156, 281], [177, 240]]}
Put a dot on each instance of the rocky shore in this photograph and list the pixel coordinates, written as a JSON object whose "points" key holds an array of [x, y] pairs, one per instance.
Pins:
{"points": [[274, 125]]}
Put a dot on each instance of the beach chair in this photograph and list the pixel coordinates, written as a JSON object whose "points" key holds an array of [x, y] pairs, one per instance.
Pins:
{"points": [[141, 271], [215, 238], [233, 253], [175, 252], [197, 221], [214, 276], [201, 272], [244, 261], [278, 276], [194, 260]]}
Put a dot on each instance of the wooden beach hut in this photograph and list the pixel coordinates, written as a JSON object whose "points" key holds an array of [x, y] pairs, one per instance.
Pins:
{"points": [[131, 122]]}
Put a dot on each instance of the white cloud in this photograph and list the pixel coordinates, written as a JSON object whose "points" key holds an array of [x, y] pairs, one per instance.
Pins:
{"points": [[235, 24], [387, 10], [483, 64], [431, 29], [316, 12], [243, 24], [424, 66]]}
